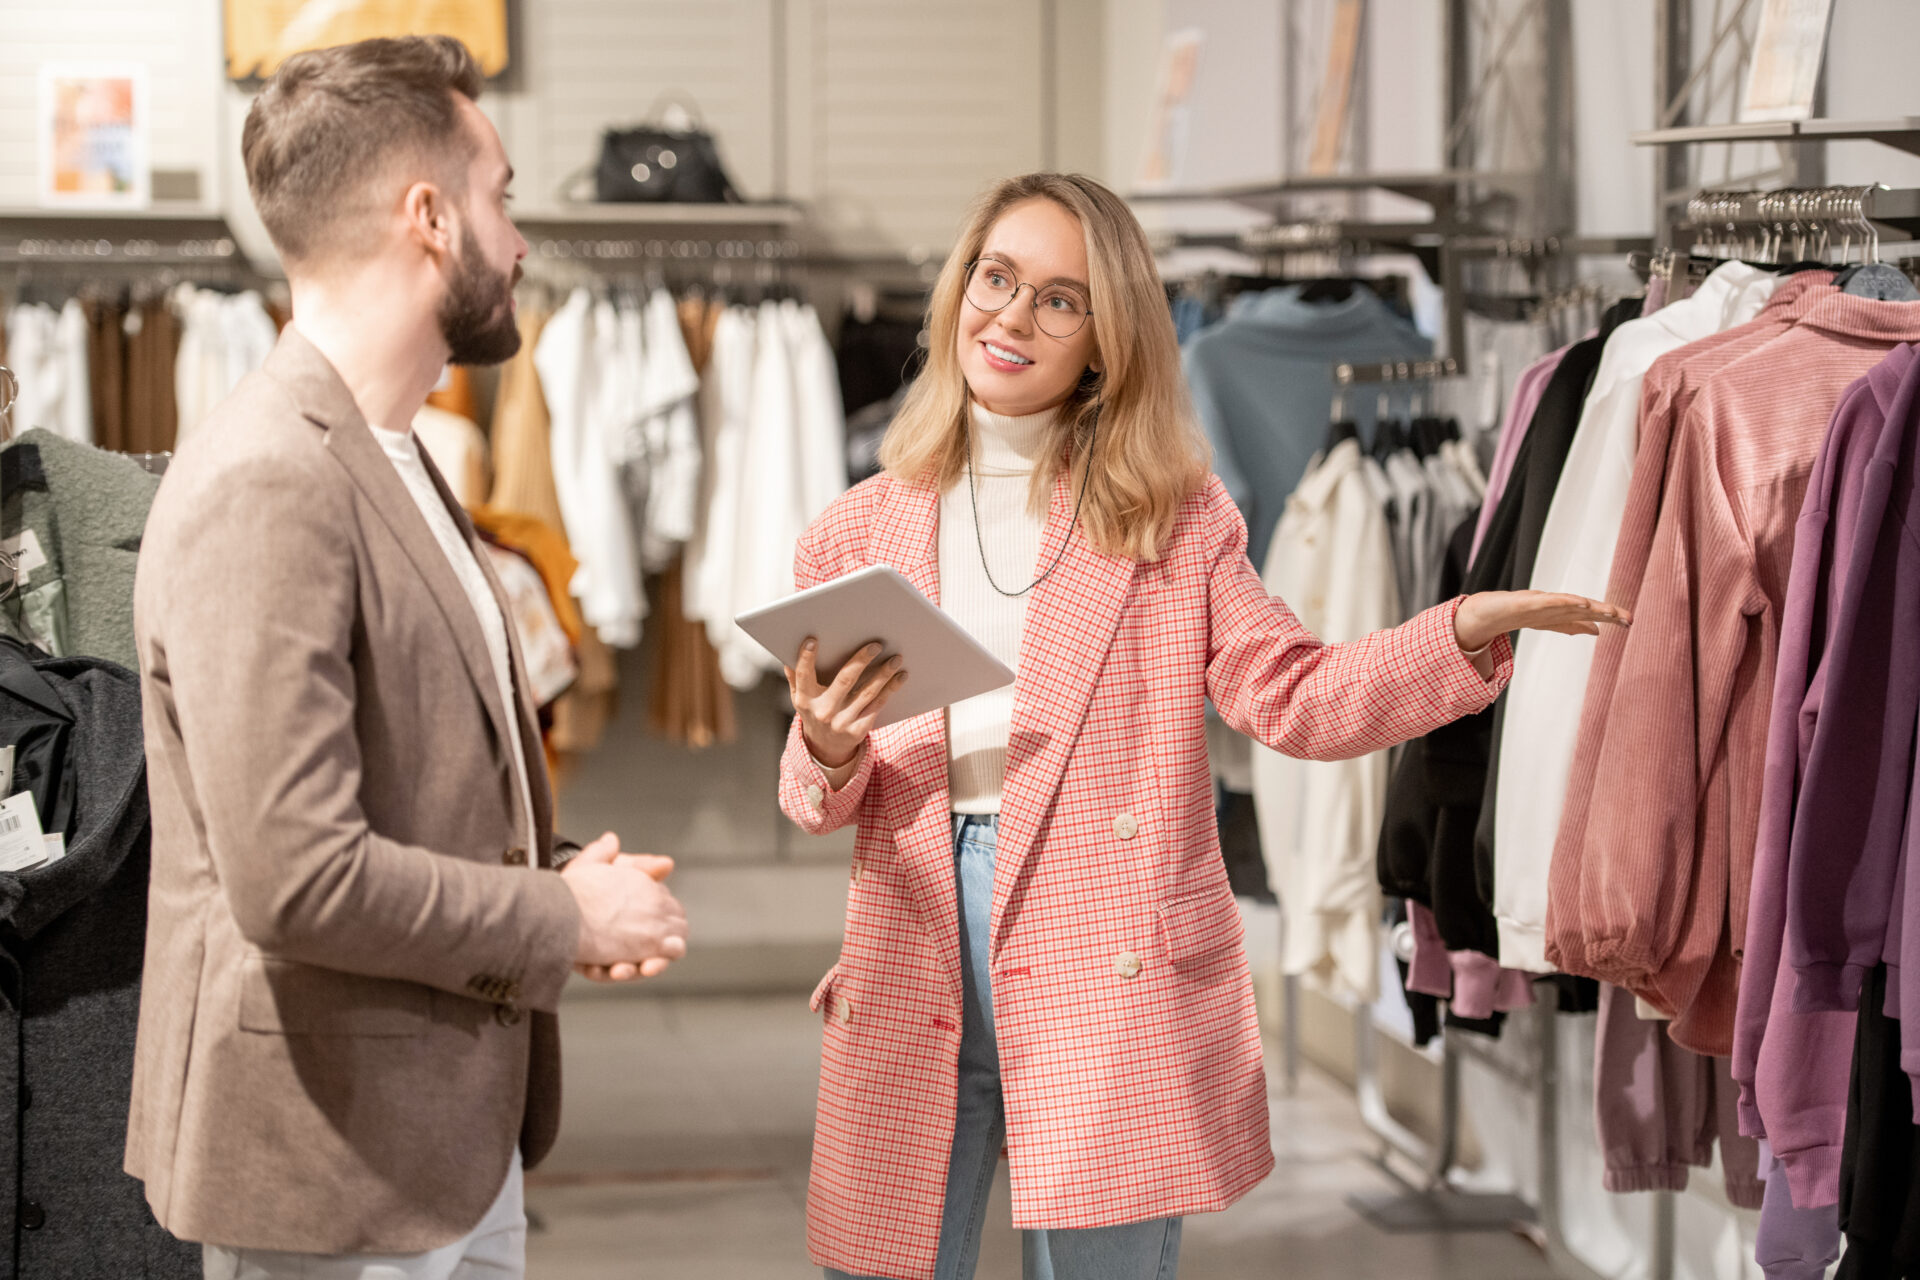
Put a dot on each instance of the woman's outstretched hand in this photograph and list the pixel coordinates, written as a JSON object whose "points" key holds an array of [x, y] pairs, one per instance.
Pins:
{"points": [[1487, 615], [836, 717]]}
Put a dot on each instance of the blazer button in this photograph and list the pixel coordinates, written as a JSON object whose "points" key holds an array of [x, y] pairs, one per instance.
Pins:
{"points": [[507, 1015], [1125, 827], [816, 797], [32, 1216], [856, 873], [843, 1010], [1126, 964], [516, 857]]}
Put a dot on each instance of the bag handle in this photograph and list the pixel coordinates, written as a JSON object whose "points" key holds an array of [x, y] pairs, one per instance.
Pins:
{"points": [[677, 98]]}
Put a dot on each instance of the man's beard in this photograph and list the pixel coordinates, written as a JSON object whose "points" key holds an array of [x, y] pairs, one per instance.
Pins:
{"points": [[476, 317]]}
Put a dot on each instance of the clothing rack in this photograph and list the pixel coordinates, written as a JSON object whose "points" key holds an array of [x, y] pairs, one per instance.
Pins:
{"points": [[146, 241], [1397, 371], [1805, 220]]}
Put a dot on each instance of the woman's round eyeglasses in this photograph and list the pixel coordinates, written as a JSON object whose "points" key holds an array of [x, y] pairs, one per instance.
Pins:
{"points": [[1060, 310]]}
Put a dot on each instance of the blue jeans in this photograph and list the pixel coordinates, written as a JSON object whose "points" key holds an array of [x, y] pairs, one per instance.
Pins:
{"points": [[1136, 1251]]}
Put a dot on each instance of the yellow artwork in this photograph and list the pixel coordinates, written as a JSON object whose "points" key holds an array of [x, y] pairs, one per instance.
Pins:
{"points": [[262, 33]]}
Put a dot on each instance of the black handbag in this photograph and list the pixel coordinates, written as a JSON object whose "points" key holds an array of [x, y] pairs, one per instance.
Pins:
{"points": [[658, 163]]}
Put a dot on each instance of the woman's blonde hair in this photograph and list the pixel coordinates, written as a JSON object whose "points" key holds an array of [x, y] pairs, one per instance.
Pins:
{"points": [[1150, 455]]}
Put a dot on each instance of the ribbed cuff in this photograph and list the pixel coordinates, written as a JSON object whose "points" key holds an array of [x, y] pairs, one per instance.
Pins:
{"points": [[1746, 1193], [1523, 946], [1813, 1175], [837, 776], [1646, 1177], [1824, 986], [1749, 1113]]}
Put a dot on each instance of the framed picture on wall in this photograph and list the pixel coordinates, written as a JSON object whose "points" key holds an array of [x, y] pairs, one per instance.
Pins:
{"points": [[1167, 135], [94, 135], [1788, 49], [261, 34]]}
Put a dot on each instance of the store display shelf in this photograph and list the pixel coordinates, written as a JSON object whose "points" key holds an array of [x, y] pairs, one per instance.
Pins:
{"points": [[1438, 188], [151, 237], [159, 213], [771, 214], [1902, 133]]}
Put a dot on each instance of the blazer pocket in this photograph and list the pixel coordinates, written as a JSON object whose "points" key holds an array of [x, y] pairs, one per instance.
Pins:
{"points": [[278, 997], [824, 990], [1200, 926]]}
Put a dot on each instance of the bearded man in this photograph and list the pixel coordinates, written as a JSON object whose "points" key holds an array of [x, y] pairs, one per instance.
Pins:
{"points": [[357, 931]]}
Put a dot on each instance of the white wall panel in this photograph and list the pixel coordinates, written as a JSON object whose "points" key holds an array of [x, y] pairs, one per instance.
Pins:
{"points": [[914, 108], [587, 64], [179, 42]]}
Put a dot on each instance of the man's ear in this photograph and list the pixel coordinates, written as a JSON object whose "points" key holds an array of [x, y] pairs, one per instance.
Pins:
{"points": [[428, 217]]}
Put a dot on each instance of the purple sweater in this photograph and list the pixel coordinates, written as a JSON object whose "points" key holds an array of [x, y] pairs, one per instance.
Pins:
{"points": [[1850, 820], [1792, 1066]]}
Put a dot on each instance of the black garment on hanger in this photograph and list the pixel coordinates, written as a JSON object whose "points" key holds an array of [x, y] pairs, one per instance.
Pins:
{"points": [[1240, 845], [1389, 437], [1405, 853], [1330, 289], [72, 944], [1543, 480], [1444, 779], [1880, 1159], [876, 358]]}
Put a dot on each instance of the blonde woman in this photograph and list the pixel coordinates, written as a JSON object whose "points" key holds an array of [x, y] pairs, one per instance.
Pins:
{"points": [[1041, 946]]}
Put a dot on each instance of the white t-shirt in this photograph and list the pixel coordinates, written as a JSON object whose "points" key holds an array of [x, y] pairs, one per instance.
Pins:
{"points": [[404, 451]]}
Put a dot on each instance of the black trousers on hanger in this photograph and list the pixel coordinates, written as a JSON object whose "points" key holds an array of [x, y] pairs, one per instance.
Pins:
{"points": [[1880, 1163]]}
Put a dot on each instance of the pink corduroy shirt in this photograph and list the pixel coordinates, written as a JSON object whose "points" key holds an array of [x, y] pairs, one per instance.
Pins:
{"points": [[1656, 891]]}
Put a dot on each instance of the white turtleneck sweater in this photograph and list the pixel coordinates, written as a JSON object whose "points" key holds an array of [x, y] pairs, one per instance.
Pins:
{"points": [[1005, 453]]}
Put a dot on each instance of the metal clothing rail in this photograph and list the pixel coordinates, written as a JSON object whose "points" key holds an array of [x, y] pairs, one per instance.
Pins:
{"points": [[136, 252], [123, 240], [1387, 371]]}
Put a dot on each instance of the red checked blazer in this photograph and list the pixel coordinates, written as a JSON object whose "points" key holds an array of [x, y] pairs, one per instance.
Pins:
{"points": [[1129, 1050]]}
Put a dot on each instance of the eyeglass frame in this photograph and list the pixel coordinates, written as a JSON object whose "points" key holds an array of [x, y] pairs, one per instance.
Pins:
{"points": [[1018, 284]]}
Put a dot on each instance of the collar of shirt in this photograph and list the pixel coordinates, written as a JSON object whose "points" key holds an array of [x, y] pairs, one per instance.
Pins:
{"points": [[1010, 446]]}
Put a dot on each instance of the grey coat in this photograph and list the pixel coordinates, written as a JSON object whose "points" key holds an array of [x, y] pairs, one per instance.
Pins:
{"points": [[70, 962], [78, 513]]}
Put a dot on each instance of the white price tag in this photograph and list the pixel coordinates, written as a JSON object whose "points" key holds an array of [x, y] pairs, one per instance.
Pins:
{"points": [[6, 772], [56, 847], [22, 844], [27, 555]]}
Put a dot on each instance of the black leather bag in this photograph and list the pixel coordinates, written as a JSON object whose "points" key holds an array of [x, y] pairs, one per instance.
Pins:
{"points": [[659, 163]]}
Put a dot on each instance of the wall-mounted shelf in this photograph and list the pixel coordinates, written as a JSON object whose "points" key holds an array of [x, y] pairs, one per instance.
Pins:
{"points": [[1902, 134], [572, 216], [160, 213], [117, 237], [1442, 189]]}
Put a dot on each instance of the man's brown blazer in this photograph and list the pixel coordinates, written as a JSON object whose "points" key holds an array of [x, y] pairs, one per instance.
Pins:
{"points": [[351, 967]]}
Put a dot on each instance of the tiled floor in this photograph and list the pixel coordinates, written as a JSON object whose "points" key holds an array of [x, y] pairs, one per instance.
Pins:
{"points": [[684, 1154]]}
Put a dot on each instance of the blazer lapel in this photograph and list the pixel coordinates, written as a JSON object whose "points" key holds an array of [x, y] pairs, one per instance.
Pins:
{"points": [[906, 536], [1071, 620], [325, 400], [532, 757]]}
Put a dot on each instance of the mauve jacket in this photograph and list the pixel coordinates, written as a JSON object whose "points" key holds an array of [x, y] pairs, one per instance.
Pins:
{"points": [[1851, 816], [1792, 1066]]}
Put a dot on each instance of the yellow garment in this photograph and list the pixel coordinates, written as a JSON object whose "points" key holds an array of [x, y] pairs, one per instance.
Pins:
{"points": [[522, 443], [546, 547], [455, 393]]}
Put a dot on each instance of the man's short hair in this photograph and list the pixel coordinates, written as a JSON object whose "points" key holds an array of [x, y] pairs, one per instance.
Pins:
{"points": [[331, 122]]}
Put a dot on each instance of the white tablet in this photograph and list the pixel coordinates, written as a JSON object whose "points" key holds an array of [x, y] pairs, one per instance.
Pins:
{"points": [[944, 664]]}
